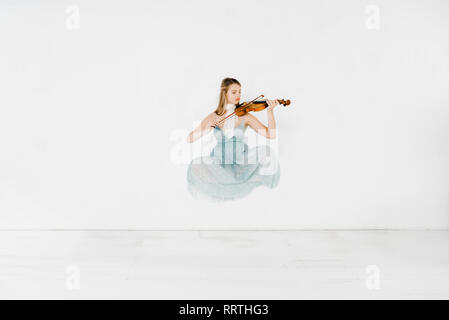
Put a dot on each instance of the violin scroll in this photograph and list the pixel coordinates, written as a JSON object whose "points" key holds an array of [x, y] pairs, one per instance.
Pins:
{"points": [[284, 102]]}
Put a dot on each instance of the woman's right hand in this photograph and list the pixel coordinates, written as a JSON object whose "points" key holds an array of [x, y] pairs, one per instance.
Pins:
{"points": [[212, 124]]}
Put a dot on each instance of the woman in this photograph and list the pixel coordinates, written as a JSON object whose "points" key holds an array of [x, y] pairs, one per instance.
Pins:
{"points": [[232, 169]]}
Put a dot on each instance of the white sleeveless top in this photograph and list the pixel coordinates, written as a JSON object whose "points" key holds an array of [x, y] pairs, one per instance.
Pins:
{"points": [[229, 124]]}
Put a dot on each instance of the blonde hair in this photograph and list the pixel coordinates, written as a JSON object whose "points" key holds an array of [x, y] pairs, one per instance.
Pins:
{"points": [[225, 83]]}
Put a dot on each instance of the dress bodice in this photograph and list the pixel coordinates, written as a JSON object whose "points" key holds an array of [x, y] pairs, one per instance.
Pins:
{"points": [[238, 132], [230, 150]]}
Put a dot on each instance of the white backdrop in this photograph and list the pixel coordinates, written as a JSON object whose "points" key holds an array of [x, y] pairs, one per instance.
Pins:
{"points": [[94, 95]]}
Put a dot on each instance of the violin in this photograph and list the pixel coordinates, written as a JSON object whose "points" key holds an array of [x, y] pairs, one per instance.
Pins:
{"points": [[255, 105]]}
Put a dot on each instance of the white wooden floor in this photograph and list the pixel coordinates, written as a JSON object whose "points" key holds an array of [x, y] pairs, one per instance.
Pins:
{"points": [[224, 264]]}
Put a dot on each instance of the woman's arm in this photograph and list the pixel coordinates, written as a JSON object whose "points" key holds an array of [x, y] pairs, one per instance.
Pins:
{"points": [[268, 132], [204, 127]]}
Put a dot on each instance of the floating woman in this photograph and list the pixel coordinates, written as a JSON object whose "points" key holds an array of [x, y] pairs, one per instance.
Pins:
{"points": [[232, 169]]}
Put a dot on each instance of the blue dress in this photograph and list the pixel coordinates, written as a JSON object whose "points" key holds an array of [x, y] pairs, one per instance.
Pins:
{"points": [[232, 169]]}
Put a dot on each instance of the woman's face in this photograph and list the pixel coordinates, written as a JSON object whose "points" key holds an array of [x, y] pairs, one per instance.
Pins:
{"points": [[233, 94]]}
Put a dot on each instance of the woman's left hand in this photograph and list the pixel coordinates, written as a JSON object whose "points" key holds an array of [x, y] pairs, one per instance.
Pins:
{"points": [[272, 104]]}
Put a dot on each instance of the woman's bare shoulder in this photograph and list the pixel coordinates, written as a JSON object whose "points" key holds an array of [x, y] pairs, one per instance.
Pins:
{"points": [[248, 117], [211, 116]]}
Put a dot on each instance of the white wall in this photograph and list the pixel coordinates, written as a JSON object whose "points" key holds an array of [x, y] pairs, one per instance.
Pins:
{"points": [[87, 113]]}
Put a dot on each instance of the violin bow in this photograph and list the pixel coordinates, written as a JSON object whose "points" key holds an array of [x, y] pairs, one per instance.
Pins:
{"points": [[232, 114]]}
